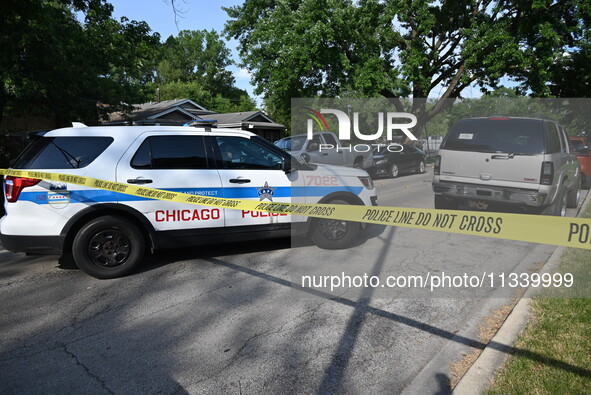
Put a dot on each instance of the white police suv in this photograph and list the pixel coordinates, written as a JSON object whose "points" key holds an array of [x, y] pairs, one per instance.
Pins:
{"points": [[108, 233]]}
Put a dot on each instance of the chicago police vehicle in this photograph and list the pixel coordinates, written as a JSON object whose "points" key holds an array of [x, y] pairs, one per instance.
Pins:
{"points": [[108, 232]]}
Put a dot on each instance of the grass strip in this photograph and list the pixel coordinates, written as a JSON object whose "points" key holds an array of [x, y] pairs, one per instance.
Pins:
{"points": [[557, 339]]}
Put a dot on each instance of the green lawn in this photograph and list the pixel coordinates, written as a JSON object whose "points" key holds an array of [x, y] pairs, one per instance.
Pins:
{"points": [[553, 354]]}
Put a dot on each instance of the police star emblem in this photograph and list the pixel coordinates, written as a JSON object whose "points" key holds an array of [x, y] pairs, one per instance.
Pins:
{"points": [[266, 192]]}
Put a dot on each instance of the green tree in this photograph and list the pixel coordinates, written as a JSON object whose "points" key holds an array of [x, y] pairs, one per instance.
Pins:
{"points": [[398, 48], [557, 42], [197, 56], [212, 101], [195, 65], [54, 65], [570, 74]]}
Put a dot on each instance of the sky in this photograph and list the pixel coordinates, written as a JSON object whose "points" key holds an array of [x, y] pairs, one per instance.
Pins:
{"points": [[196, 15]]}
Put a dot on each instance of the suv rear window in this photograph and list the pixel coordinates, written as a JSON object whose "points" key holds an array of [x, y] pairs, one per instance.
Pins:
{"points": [[517, 136], [62, 152]]}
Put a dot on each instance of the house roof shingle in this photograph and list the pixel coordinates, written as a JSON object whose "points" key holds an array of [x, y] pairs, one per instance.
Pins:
{"points": [[149, 110], [188, 109]]}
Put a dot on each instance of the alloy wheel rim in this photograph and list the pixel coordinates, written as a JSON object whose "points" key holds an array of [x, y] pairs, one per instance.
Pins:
{"points": [[333, 229], [394, 170], [563, 207], [109, 248]]}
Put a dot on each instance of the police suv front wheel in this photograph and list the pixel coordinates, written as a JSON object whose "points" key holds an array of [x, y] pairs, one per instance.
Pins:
{"points": [[108, 247], [335, 234]]}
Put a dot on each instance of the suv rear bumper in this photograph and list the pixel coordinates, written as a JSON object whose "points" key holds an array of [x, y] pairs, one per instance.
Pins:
{"points": [[494, 194], [33, 244]]}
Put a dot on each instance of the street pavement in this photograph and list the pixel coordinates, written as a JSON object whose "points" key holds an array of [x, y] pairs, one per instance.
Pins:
{"points": [[232, 319]]}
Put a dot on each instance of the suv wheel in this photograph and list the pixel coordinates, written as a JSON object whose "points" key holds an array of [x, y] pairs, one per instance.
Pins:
{"points": [[421, 167], [108, 247], [586, 181], [572, 199], [394, 170], [358, 163], [335, 234], [558, 208]]}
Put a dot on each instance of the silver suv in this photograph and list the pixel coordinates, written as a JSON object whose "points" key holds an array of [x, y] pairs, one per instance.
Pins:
{"points": [[524, 164]]}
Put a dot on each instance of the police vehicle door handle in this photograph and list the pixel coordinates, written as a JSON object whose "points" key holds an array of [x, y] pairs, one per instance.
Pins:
{"points": [[239, 180], [139, 180]]}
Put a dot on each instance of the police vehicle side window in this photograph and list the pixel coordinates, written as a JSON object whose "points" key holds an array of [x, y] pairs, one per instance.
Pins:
{"points": [[171, 152], [62, 152], [241, 153]]}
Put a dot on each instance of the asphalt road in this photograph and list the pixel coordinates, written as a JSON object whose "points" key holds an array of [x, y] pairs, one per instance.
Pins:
{"points": [[231, 319]]}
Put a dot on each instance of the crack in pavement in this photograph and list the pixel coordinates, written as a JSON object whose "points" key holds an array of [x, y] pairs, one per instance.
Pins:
{"points": [[86, 369], [237, 355], [74, 325]]}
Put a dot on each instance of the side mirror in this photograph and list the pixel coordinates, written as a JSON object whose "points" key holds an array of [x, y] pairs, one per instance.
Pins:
{"points": [[312, 147], [305, 157], [286, 166]]}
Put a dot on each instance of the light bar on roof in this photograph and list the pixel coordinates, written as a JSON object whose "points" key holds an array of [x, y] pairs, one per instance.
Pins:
{"points": [[208, 123]]}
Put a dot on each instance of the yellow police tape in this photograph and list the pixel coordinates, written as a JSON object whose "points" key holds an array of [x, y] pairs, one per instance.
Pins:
{"points": [[570, 232]]}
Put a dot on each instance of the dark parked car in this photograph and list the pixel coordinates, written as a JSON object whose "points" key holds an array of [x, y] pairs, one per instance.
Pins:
{"points": [[391, 161]]}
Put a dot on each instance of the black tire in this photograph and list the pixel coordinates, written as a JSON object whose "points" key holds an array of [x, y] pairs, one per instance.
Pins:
{"points": [[573, 196], [586, 181], [558, 208], [421, 167], [394, 171], [358, 164], [442, 203], [332, 234], [108, 247]]}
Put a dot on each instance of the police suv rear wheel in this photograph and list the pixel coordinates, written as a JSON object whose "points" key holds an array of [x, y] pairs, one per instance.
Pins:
{"points": [[108, 247], [334, 234]]}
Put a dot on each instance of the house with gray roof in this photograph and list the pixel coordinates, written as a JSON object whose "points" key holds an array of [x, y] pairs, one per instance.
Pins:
{"points": [[254, 121], [183, 111]]}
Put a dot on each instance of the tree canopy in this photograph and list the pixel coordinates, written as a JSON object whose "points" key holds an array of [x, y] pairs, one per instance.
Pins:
{"points": [[401, 48], [195, 65], [53, 64], [72, 60]]}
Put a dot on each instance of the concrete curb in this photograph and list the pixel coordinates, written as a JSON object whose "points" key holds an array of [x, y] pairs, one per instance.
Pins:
{"points": [[481, 374]]}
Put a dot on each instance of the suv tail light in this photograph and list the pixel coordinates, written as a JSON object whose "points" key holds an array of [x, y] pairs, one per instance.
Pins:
{"points": [[547, 175], [14, 186], [437, 165]]}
